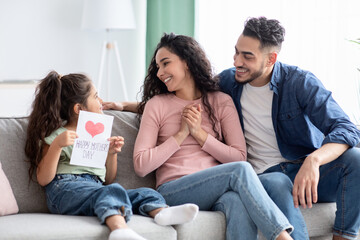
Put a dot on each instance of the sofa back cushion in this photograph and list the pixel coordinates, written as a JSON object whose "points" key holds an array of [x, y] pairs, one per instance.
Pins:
{"points": [[126, 125], [29, 195]]}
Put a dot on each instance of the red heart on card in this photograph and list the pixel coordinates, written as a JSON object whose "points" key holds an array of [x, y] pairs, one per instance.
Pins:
{"points": [[94, 129]]}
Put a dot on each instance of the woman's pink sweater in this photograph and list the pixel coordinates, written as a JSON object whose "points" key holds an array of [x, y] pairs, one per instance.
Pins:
{"points": [[157, 149]]}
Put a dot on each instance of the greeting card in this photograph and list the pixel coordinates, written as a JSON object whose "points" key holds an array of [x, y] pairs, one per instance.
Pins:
{"points": [[91, 147]]}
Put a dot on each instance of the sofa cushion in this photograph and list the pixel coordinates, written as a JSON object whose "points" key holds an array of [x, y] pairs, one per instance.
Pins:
{"points": [[199, 228], [320, 218], [29, 195], [126, 124], [43, 226], [8, 204]]}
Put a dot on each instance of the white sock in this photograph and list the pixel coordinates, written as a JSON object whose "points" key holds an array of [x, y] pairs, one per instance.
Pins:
{"points": [[177, 214], [125, 234]]}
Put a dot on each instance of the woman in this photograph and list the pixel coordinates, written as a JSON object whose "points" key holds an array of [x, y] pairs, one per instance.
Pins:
{"points": [[190, 134]]}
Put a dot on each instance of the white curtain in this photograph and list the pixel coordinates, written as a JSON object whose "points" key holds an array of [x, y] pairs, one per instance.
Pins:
{"points": [[317, 34]]}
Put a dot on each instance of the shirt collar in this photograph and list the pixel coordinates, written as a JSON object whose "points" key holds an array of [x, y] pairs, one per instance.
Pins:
{"points": [[275, 77]]}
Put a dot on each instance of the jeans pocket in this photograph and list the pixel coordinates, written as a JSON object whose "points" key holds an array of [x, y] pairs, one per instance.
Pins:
{"points": [[54, 191], [291, 168]]}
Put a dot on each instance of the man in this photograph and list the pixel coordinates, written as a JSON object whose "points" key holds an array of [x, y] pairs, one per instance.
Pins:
{"points": [[294, 131]]}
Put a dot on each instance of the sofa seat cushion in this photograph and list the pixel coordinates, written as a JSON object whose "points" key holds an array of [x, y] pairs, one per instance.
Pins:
{"points": [[319, 219], [44, 226], [207, 225], [212, 225]]}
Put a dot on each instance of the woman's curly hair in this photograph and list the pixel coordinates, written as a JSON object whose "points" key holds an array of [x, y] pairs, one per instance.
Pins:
{"points": [[190, 51]]}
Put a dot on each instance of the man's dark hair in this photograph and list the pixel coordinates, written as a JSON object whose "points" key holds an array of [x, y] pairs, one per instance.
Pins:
{"points": [[269, 32]]}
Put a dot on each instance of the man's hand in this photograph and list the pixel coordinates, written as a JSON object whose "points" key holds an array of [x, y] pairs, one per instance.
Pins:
{"points": [[121, 106], [113, 105], [307, 179], [306, 183]]}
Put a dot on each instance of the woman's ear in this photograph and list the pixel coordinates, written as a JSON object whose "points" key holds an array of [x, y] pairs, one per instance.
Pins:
{"points": [[77, 108], [186, 66]]}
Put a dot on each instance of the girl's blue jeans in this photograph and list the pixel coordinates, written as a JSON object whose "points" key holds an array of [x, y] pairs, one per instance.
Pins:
{"points": [[86, 195], [339, 182], [235, 190]]}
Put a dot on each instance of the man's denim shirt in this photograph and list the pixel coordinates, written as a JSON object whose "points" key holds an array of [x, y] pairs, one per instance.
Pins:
{"points": [[304, 114]]}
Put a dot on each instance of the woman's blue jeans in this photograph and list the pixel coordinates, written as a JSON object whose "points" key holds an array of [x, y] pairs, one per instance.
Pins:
{"points": [[279, 188], [339, 182], [86, 195], [235, 190]]}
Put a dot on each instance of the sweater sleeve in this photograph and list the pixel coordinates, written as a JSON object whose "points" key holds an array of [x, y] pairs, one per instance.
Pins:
{"points": [[233, 147], [147, 155]]}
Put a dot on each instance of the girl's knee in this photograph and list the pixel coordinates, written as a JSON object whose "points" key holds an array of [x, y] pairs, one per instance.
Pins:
{"points": [[145, 193], [115, 186], [115, 189]]}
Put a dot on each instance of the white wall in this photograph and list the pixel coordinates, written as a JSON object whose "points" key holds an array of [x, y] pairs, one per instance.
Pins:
{"points": [[315, 39], [37, 36]]}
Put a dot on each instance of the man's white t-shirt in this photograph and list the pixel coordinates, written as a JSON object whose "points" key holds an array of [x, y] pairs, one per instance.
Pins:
{"points": [[262, 147]]}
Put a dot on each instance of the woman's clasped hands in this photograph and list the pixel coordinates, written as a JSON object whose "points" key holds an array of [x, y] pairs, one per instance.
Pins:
{"points": [[191, 118]]}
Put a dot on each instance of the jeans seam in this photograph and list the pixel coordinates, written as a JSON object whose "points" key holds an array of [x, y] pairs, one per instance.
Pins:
{"points": [[343, 203], [330, 169], [342, 166], [257, 205]]}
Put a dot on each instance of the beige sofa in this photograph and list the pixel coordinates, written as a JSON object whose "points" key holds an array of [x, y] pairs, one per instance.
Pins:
{"points": [[35, 222]]}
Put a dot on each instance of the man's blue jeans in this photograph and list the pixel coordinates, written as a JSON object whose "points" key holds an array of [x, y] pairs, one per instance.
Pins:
{"points": [[339, 182], [235, 190], [85, 194]]}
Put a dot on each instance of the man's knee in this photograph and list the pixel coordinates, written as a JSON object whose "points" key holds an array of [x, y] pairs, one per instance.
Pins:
{"points": [[349, 161], [351, 157]]}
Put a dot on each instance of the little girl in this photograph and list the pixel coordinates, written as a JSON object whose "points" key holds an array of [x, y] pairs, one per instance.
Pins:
{"points": [[79, 190]]}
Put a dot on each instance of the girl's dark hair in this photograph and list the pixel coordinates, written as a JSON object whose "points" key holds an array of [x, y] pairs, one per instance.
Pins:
{"points": [[269, 32], [188, 50], [55, 97]]}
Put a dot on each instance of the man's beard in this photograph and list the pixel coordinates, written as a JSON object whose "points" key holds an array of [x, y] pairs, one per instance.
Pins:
{"points": [[252, 77]]}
